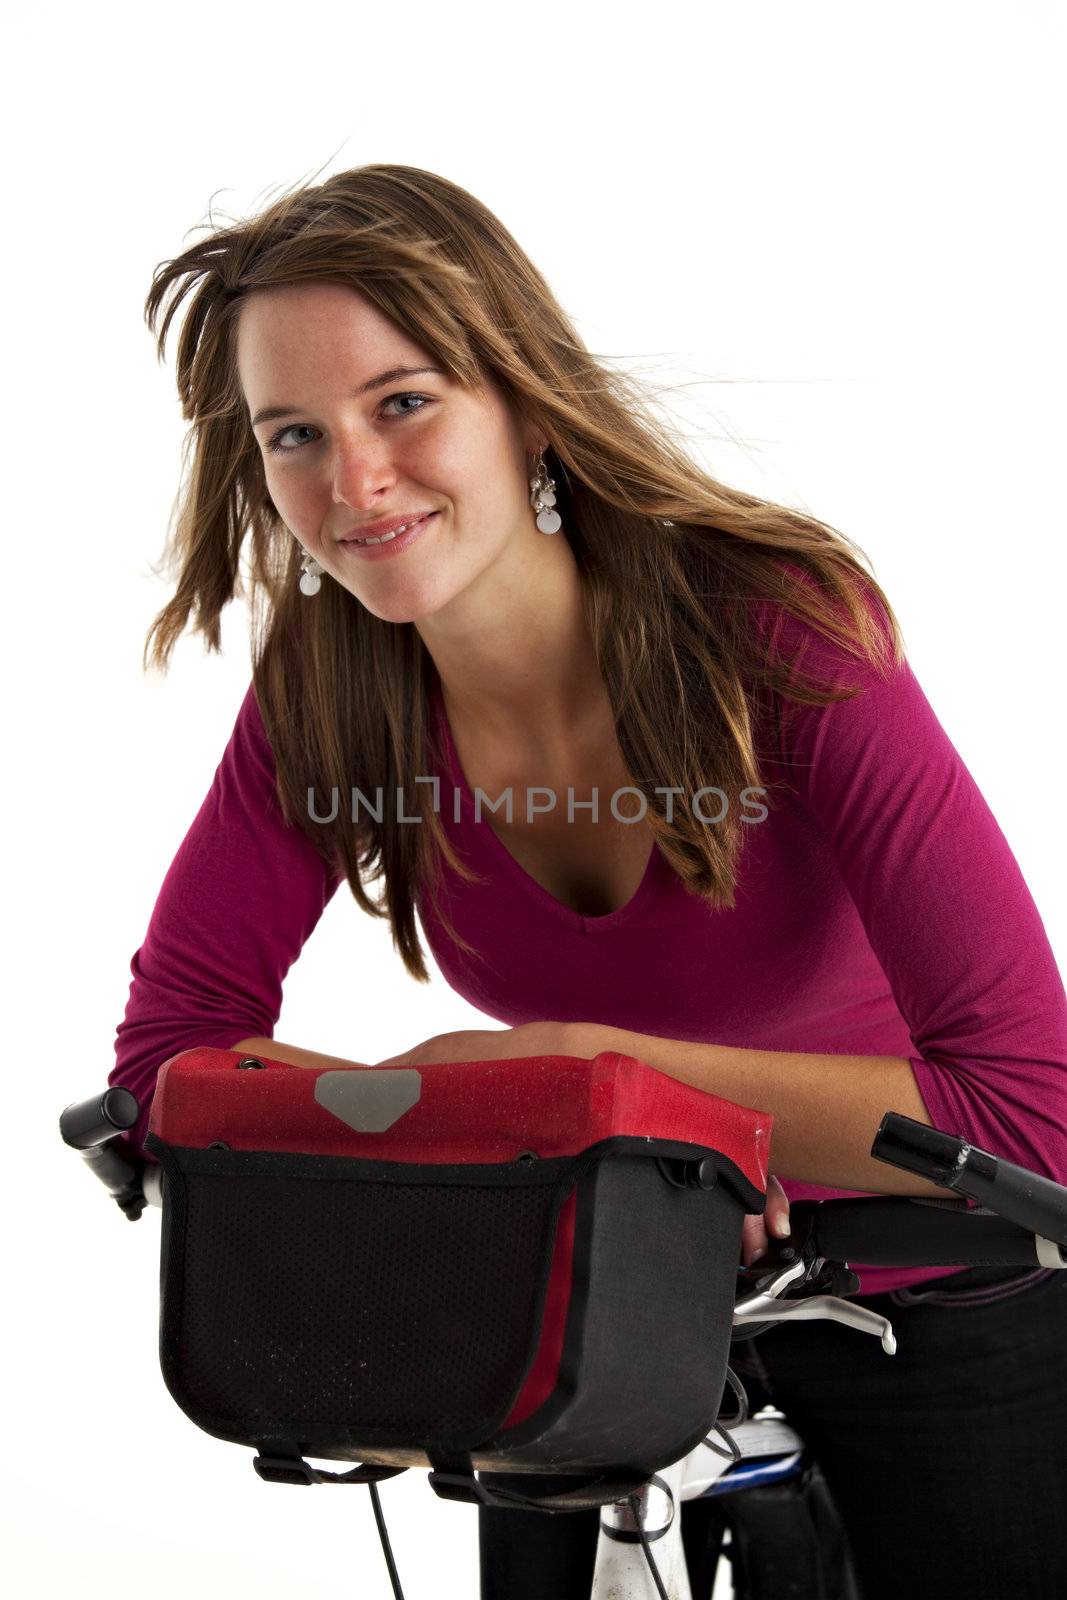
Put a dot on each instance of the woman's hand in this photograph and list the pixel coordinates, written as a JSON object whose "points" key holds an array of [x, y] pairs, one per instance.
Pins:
{"points": [[502, 1044], [774, 1221]]}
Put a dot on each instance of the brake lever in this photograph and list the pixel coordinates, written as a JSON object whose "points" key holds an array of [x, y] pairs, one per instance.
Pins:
{"points": [[820, 1275], [793, 1283]]}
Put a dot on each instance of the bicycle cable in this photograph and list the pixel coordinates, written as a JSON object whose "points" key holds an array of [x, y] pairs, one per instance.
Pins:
{"points": [[632, 1501], [635, 1511], [734, 1453], [387, 1550]]}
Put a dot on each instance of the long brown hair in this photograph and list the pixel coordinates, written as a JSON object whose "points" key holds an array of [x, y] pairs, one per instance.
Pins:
{"points": [[670, 560]]}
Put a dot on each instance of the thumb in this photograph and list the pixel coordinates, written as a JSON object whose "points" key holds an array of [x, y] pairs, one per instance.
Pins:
{"points": [[772, 1222], [776, 1209]]}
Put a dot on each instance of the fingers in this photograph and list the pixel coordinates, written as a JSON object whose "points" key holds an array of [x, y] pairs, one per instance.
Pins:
{"points": [[753, 1240], [776, 1209], [756, 1231]]}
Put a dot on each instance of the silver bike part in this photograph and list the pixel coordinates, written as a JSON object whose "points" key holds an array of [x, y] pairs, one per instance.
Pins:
{"points": [[768, 1288], [621, 1571], [764, 1306], [655, 1507], [152, 1184], [765, 1435], [826, 1306], [1049, 1253]]}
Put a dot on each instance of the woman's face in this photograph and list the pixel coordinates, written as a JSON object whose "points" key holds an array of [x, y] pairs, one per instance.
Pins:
{"points": [[356, 447]]}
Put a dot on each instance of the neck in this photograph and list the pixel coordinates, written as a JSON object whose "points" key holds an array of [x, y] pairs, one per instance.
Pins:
{"points": [[515, 651]]}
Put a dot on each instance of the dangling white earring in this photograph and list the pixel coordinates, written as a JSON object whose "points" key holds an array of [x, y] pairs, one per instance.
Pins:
{"points": [[543, 498], [310, 575]]}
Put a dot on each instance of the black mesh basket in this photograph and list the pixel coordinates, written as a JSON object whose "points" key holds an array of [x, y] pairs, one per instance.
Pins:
{"points": [[555, 1314]]}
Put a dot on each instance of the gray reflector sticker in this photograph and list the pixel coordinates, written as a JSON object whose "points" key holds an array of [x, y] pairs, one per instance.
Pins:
{"points": [[369, 1101]]}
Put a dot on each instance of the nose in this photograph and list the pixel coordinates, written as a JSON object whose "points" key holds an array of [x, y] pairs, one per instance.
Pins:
{"points": [[362, 470]]}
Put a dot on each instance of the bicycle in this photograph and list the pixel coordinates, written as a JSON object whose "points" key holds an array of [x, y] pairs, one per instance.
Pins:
{"points": [[1020, 1219]]}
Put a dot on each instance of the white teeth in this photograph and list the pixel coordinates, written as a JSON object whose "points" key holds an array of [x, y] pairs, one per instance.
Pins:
{"points": [[385, 538]]}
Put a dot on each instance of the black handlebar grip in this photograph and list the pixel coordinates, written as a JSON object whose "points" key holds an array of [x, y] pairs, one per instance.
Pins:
{"points": [[89, 1122], [1023, 1197], [894, 1231], [93, 1127], [918, 1148]]}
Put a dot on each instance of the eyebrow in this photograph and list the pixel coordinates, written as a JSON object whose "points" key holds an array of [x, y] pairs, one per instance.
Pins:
{"points": [[272, 413]]}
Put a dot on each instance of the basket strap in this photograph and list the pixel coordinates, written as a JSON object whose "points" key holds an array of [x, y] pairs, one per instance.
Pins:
{"points": [[453, 1478], [276, 1466]]}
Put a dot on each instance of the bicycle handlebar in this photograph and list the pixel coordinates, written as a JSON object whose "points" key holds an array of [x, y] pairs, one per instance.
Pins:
{"points": [[897, 1231], [1021, 1218], [95, 1127], [1012, 1192]]}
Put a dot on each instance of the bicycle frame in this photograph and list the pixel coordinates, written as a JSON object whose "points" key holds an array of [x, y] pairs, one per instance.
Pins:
{"points": [[621, 1571], [778, 1459]]}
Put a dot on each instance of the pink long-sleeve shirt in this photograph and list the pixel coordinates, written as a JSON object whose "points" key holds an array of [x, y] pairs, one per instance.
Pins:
{"points": [[879, 911]]}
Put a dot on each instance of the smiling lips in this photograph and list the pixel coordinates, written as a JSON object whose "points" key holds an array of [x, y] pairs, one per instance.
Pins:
{"points": [[387, 530], [395, 538]]}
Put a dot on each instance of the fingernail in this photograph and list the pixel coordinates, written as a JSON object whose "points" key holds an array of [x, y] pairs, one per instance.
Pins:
{"points": [[757, 1255], [780, 1227]]}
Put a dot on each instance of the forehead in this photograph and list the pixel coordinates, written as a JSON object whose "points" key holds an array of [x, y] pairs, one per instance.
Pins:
{"points": [[305, 328]]}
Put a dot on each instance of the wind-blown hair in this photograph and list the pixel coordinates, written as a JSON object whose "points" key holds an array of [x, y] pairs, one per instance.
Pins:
{"points": [[674, 565]]}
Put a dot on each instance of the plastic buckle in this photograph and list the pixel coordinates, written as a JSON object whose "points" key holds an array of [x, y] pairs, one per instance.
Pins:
{"points": [[457, 1486], [283, 1469]]}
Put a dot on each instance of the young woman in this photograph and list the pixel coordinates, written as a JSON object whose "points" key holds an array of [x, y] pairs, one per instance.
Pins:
{"points": [[789, 892]]}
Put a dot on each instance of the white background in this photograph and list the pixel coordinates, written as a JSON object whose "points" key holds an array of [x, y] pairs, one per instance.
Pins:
{"points": [[836, 231]]}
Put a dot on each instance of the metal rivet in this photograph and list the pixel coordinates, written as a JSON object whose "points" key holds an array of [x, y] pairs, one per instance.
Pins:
{"points": [[249, 1061], [528, 1156], [220, 1144]]}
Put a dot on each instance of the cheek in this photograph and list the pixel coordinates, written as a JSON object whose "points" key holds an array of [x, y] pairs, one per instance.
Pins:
{"points": [[468, 455], [443, 460], [294, 498]]}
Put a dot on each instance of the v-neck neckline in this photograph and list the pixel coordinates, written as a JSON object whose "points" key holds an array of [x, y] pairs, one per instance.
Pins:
{"points": [[579, 920]]}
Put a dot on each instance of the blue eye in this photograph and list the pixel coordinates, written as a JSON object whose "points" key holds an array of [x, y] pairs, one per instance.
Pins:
{"points": [[421, 398], [275, 445]]}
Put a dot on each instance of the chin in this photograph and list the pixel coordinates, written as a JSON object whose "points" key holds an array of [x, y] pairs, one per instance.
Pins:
{"points": [[402, 608]]}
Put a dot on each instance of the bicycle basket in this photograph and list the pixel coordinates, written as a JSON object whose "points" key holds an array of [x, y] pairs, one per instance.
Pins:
{"points": [[511, 1266]]}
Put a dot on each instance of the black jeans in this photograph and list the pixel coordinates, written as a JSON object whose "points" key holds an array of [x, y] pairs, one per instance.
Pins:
{"points": [[947, 1461]]}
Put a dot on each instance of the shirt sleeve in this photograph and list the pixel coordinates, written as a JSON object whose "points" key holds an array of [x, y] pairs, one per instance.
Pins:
{"points": [[242, 895], [945, 908]]}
